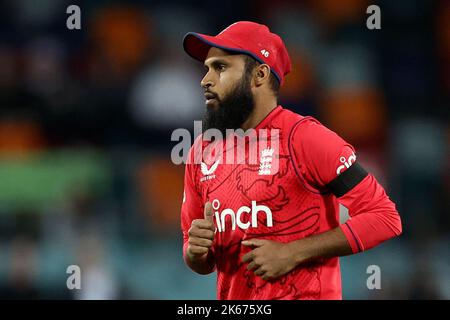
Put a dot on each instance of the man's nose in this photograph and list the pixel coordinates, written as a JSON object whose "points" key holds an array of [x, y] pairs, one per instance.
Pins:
{"points": [[207, 81]]}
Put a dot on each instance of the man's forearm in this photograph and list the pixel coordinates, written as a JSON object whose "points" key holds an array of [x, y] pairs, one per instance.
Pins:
{"points": [[329, 244], [203, 265]]}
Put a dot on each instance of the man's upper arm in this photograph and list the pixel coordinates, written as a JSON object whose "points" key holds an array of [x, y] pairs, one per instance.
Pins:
{"points": [[323, 158]]}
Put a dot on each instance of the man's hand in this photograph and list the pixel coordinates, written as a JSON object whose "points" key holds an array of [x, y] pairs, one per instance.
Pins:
{"points": [[269, 259], [201, 235]]}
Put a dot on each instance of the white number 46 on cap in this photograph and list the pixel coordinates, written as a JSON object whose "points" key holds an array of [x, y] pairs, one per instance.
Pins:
{"points": [[265, 53]]}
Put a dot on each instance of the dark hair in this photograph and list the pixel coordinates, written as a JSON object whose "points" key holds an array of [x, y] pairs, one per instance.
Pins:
{"points": [[251, 63]]}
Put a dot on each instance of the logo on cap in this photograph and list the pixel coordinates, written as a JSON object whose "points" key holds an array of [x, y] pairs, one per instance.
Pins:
{"points": [[265, 53]]}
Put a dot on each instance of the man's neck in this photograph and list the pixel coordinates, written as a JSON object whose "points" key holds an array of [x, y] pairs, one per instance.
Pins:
{"points": [[260, 111]]}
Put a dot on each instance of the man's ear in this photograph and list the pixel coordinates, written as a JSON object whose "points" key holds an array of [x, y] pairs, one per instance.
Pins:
{"points": [[262, 74]]}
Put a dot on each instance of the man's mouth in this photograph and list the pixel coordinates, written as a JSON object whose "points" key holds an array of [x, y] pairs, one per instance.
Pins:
{"points": [[210, 97]]}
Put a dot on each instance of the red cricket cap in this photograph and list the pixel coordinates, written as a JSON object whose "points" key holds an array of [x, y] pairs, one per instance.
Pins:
{"points": [[243, 37]]}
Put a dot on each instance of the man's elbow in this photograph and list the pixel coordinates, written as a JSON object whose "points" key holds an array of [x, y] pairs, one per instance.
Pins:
{"points": [[386, 226], [393, 227], [397, 225]]}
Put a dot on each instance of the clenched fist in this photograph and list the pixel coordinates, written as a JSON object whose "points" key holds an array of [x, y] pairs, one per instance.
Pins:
{"points": [[201, 235], [269, 259]]}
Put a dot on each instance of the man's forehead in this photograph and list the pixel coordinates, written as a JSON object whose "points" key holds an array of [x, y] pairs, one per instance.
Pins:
{"points": [[215, 54]]}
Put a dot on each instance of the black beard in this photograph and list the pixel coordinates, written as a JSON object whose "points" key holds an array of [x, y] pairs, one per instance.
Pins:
{"points": [[233, 110]]}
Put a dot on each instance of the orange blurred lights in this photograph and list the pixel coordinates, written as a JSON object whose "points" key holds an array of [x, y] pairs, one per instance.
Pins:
{"points": [[20, 137], [160, 184], [334, 12], [358, 115], [299, 80], [443, 37], [122, 34]]}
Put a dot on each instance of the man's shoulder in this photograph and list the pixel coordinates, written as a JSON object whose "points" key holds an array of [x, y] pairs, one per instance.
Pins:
{"points": [[308, 132], [302, 125]]}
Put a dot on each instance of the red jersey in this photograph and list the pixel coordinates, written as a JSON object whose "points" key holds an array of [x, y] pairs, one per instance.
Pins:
{"points": [[282, 197]]}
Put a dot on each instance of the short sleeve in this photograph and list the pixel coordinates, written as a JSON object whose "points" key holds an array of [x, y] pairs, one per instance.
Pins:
{"points": [[320, 154]]}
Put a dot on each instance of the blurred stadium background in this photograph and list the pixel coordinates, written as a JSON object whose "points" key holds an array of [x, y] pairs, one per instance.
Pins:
{"points": [[86, 117]]}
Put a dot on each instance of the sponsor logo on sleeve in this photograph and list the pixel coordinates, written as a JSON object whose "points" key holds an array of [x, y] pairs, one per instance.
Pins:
{"points": [[346, 163]]}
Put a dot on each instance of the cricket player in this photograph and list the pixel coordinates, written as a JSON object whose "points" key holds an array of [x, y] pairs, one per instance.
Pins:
{"points": [[271, 229]]}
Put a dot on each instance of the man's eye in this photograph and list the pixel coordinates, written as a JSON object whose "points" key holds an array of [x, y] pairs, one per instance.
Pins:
{"points": [[221, 67]]}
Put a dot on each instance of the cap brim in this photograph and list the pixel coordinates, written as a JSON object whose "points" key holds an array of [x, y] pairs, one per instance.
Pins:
{"points": [[197, 46]]}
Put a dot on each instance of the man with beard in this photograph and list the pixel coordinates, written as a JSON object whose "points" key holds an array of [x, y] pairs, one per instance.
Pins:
{"points": [[273, 233]]}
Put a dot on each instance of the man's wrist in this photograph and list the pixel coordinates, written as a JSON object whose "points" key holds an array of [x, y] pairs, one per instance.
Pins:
{"points": [[300, 251], [203, 264], [195, 258]]}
